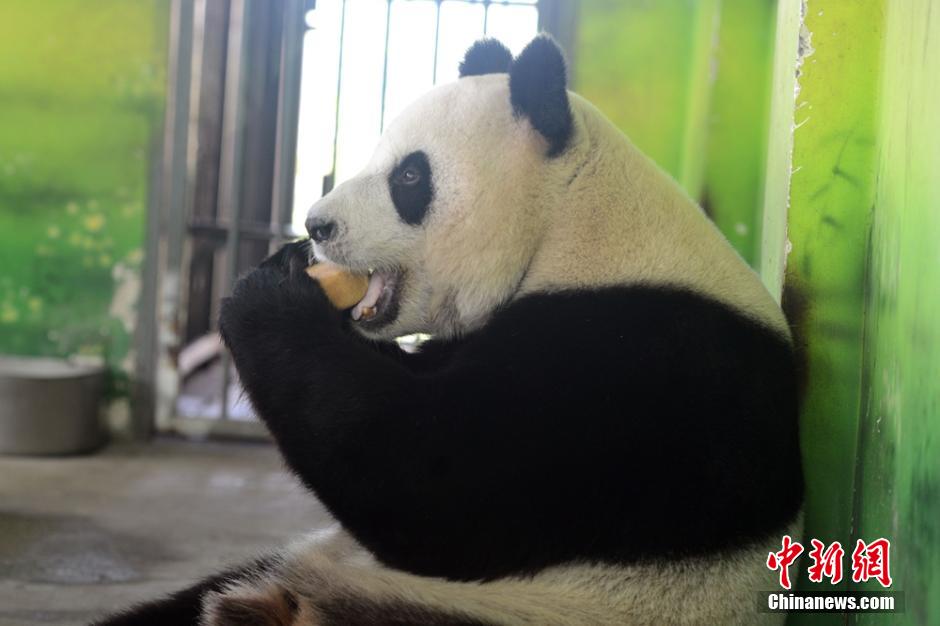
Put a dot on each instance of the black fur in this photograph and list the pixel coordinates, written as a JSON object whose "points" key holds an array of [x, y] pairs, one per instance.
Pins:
{"points": [[184, 607], [412, 197], [611, 425], [538, 91], [486, 56]]}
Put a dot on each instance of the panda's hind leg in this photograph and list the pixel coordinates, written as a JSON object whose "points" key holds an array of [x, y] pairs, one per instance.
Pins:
{"points": [[337, 583], [272, 604], [253, 603], [320, 585]]}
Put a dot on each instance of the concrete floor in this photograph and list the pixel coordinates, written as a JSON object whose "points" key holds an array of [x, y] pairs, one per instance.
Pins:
{"points": [[86, 535]]}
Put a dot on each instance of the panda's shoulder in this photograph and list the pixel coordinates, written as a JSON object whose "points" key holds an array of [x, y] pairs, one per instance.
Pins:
{"points": [[611, 329], [625, 309]]}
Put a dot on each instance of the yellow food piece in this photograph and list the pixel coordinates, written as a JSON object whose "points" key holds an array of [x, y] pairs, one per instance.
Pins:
{"points": [[343, 288]]}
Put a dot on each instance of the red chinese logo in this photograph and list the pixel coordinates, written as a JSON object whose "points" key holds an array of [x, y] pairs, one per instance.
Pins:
{"points": [[783, 559], [872, 561], [826, 563], [869, 560]]}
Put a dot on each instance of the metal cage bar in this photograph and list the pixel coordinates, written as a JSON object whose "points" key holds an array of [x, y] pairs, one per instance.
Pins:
{"points": [[288, 114], [159, 306], [437, 38], [330, 179], [229, 193]]}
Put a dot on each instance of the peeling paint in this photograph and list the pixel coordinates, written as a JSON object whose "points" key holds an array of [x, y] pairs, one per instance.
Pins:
{"points": [[126, 295], [804, 47], [167, 375]]}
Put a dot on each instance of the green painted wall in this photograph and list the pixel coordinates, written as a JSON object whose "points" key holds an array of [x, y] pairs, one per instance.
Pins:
{"points": [[81, 91], [644, 65], [737, 122], [688, 81]]}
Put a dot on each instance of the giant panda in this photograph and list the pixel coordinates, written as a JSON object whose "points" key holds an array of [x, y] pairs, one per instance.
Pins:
{"points": [[603, 427]]}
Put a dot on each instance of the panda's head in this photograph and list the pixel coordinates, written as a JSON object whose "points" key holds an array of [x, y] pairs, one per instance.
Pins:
{"points": [[446, 213]]}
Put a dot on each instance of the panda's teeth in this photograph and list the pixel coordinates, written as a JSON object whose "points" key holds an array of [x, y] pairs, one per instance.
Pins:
{"points": [[366, 308]]}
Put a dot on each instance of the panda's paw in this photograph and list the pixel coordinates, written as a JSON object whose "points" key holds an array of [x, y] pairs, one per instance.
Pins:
{"points": [[254, 603], [275, 306], [291, 259]]}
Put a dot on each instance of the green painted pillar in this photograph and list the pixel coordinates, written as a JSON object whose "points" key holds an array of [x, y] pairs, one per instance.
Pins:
{"points": [[858, 206], [898, 460], [832, 191], [833, 53]]}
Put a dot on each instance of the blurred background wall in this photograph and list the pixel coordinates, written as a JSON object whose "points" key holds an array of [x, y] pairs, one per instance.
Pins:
{"points": [[689, 82], [82, 87]]}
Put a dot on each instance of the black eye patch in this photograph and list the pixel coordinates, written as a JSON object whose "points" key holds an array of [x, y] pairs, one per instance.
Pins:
{"points": [[410, 186]]}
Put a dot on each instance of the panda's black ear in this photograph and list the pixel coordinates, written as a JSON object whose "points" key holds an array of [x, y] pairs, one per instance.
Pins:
{"points": [[537, 89], [486, 56]]}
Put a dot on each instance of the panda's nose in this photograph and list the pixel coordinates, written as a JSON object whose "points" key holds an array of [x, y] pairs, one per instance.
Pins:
{"points": [[320, 230]]}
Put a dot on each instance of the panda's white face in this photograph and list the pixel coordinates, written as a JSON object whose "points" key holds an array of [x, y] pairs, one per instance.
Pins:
{"points": [[503, 184], [441, 214]]}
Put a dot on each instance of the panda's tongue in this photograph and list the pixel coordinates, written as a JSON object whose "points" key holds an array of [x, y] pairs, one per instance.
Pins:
{"points": [[376, 285]]}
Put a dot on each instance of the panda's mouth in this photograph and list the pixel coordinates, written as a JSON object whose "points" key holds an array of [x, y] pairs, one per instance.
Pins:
{"points": [[380, 304]]}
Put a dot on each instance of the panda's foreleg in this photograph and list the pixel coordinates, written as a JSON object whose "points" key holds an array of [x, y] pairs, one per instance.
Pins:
{"points": [[294, 351], [423, 468]]}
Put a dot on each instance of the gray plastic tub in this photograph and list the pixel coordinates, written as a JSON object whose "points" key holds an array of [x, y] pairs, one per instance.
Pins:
{"points": [[49, 406]]}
